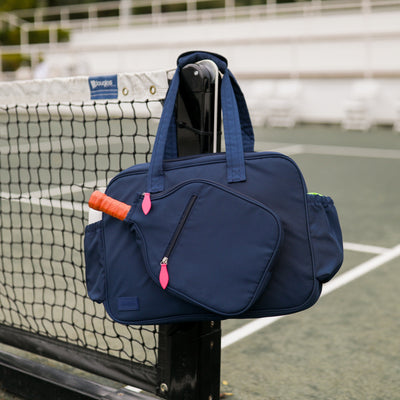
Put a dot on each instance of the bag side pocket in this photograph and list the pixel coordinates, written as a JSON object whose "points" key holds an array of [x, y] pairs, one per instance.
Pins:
{"points": [[95, 261], [326, 236]]}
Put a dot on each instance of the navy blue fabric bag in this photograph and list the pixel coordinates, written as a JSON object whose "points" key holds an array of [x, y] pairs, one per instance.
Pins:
{"points": [[214, 236]]}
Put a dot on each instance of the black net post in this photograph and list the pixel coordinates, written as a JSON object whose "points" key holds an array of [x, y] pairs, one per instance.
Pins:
{"points": [[189, 353], [190, 360]]}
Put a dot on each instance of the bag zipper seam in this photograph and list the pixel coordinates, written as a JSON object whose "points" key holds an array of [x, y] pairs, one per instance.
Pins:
{"points": [[180, 226]]}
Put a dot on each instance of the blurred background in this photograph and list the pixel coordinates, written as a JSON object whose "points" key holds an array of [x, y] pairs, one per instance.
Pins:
{"points": [[321, 67], [315, 61]]}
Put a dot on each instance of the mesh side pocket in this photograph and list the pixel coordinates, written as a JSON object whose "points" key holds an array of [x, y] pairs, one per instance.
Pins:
{"points": [[326, 236], [95, 261]]}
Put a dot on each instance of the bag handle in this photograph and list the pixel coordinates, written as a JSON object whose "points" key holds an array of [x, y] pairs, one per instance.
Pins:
{"points": [[245, 122], [239, 136]]}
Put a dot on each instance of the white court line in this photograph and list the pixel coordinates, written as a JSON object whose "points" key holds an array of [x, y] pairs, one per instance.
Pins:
{"points": [[329, 287], [52, 203], [348, 151], [364, 248], [58, 191], [44, 198], [72, 143], [285, 148], [352, 151], [289, 150]]}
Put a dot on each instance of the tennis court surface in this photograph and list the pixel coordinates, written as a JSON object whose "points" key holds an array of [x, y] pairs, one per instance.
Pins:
{"points": [[53, 155], [347, 345]]}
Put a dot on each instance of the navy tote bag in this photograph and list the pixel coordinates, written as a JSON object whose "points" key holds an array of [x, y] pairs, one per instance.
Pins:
{"points": [[213, 236]]}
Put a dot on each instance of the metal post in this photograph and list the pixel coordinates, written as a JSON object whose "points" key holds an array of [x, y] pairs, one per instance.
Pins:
{"points": [[124, 12], [38, 17], [190, 359], [190, 354], [53, 35], [24, 36], [1, 65], [64, 16], [271, 7], [156, 12], [366, 6], [366, 14], [191, 10], [316, 7], [229, 9], [92, 16]]}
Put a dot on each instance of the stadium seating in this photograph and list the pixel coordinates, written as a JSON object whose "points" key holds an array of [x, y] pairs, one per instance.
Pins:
{"points": [[283, 106], [360, 106]]}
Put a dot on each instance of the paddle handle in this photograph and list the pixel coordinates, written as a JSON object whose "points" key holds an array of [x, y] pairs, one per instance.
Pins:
{"points": [[101, 202]]}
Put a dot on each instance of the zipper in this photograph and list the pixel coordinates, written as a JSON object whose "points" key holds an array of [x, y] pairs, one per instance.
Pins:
{"points": [[164, 276]]}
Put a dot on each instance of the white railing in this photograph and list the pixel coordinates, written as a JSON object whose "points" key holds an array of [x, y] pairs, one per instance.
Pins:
{"points": [[132, 12], [125, 13]]}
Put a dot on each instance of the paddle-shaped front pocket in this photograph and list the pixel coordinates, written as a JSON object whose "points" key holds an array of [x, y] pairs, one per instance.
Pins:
{"points": [[208, 244]]}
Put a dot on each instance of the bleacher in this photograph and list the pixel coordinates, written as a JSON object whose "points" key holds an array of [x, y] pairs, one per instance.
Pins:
{"points": [[267, 45]]}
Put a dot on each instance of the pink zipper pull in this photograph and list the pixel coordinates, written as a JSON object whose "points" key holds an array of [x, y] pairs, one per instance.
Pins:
{"points": [[146, 203], [164, 277]]}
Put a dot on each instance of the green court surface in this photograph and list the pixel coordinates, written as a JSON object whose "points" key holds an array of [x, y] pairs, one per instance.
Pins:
{"points": [[347, 346]]}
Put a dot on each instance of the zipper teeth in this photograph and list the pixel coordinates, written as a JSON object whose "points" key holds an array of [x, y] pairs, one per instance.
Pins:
{"points": [[180, 226]]}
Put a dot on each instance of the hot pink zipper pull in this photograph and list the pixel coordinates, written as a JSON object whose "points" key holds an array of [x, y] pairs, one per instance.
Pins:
{"points": [[146, 203], [164, 277]]}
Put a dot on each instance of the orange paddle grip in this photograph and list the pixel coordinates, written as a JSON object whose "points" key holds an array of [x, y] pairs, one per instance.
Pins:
{"points": [[101, 202]]}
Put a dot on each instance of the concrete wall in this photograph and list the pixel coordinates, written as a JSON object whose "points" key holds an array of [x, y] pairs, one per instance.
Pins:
{"points": [[327, 53], [346, 43]]}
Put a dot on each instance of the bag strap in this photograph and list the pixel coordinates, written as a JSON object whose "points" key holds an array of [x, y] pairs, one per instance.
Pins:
{"points": [[239, 136], [245, 122]]}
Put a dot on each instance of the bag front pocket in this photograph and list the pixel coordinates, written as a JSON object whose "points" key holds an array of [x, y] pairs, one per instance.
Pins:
{"points": [[164, 276], [326, 236], [95, 261], [209, 245]]}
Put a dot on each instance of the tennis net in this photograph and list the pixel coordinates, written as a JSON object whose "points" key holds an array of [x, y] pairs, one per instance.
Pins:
{"points": [[59, 141]]}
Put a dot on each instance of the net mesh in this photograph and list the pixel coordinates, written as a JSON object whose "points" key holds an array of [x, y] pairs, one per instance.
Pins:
{"points": [[53, 155]]}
